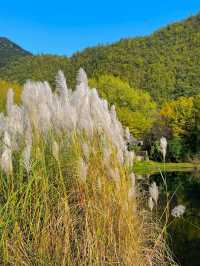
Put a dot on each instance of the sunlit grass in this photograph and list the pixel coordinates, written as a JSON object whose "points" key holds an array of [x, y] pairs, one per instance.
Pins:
{"points": [[52, 217], [69, 197], [149, 167]]}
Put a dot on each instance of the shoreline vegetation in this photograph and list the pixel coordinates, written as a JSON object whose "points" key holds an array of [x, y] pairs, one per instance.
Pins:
{"points": [[152, 167]]}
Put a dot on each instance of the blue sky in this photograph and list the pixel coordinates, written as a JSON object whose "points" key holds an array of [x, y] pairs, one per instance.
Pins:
{"points": [[64, 27]]}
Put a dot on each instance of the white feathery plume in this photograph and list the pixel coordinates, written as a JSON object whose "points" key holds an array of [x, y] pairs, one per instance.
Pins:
{"points": [[15, 120], [163, 147], [150, 203], [64, 111], [120, 156], [3, 121], [37, 98], [106, 155], [6, 157], [64, 116], [7, 140], [61, 86], [127, 133], [85, 120], [69, 118], [82, 77], [178, 211], [28, 133], [101, 118], [104, 104], [6, 161], [58, 116], [153, 191], [44, 118], [132, 191], [113, 113], [26, 157]]}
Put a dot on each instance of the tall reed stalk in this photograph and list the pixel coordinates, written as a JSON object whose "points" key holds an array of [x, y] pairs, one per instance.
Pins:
{"points": [[70, 197]]}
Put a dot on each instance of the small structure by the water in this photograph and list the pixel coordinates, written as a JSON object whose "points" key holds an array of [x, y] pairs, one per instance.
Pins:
{"points": [[136, 145], [133, 142], [142, 156]]}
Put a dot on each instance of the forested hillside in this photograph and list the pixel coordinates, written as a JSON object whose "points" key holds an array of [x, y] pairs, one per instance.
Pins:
{"points": [[166, 63], [10, 51]]}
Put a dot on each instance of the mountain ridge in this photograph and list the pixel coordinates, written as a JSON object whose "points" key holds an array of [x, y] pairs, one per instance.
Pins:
{"points": [[10, 50], [165, 63]]}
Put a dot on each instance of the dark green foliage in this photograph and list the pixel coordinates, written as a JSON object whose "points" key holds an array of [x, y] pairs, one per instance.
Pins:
{"points": [[155, 153], [43, 67], [193, 135], [176, 149]]}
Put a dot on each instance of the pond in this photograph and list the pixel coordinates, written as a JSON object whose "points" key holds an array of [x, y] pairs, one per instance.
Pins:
{"points": [[184, 232]]}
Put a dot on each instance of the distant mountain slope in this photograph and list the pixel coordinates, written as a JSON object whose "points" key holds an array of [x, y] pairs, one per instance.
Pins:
{"points": [[42, 68], [166, 63], [9, 50]]}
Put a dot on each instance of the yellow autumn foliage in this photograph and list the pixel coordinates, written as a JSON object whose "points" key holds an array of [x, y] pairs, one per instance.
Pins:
{"points": [[178, 115], [4, 87]]}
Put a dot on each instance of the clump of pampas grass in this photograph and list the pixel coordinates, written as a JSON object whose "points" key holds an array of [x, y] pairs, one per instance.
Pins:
{"points": [[68, 195]]}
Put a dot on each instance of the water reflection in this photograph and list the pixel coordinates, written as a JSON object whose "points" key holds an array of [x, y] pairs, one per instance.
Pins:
{"points": [[184, 233]]}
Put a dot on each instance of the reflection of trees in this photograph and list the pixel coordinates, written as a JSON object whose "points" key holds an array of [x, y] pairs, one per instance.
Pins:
{"points": [[184, 233]]}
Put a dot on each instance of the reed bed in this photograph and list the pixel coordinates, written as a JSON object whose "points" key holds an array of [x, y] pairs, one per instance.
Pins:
{"points": [[67, 192]]}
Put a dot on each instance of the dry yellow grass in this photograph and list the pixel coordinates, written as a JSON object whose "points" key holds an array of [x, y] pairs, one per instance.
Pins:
{"points": [[53, 217], [4, 87]]}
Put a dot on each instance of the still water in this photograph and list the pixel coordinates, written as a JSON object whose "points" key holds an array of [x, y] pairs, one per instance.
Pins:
{"points": [[184, 233]]}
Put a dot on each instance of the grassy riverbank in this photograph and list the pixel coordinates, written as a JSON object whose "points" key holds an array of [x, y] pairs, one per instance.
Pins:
{"points": [[151, 167]]}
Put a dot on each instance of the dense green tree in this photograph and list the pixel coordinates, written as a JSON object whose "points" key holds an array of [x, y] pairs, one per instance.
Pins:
{"points": [[135, 107], [176, 149], [193, 138]]}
